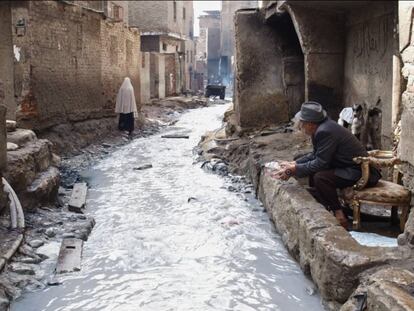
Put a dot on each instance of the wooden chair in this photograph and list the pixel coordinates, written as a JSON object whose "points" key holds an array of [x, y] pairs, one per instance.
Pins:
{"points": [[385, 193]]}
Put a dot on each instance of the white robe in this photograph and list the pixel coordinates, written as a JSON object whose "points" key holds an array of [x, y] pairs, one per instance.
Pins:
{"points": [[125, 100]]}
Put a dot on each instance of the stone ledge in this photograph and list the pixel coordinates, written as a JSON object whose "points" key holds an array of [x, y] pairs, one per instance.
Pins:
{"points": [[324, 249], [388, 289]]}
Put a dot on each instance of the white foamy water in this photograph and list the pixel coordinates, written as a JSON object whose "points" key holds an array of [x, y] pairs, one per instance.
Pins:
{"points": [[151, 249]]}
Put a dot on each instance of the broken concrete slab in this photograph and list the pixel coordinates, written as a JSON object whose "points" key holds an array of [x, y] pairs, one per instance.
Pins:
{"points": [[78, 198], [143, 167], [70, 256], [175, 136]]}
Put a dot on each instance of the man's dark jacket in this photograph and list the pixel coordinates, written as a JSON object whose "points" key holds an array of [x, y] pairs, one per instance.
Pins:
{"points": [[334, 147]]}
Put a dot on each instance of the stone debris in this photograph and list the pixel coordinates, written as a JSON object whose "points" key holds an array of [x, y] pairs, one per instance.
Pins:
{"points": [[50, 232], [78, 198], [143, 167], [54, 282], [310, 290], [20, 268], [36, 243], [29, 260], [12, 146], [217, 166]]}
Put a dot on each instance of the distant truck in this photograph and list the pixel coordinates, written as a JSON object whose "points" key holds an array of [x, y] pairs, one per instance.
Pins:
{"points": [[216, 90]]}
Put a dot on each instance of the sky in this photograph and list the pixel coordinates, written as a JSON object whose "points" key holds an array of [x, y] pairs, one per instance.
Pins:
{"points": [[199, 7]]}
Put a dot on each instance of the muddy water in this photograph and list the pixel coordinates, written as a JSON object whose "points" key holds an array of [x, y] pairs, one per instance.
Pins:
{"points": [[153, 249]]}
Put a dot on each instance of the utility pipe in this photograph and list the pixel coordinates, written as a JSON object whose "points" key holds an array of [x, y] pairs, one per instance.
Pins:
{"points": [[16, 210]]}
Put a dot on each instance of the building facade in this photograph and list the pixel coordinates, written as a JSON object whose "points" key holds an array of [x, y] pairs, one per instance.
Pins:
{"points": [[227, 37], [67, 69], [167, 29], [209, 45]]}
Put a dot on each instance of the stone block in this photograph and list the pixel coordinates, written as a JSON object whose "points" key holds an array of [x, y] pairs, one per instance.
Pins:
{"points": [[44, 188], [78, 197]]}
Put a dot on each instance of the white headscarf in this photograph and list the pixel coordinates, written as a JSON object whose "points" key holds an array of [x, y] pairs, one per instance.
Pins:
{"points": [[125, 100]]}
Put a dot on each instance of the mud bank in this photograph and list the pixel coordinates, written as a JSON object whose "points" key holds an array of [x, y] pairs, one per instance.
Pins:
{"points": [[340, 267]]}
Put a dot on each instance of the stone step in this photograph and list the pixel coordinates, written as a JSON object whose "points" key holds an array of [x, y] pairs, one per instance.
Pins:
{"points": [[45, 187], [25, 163], [21, 136]]}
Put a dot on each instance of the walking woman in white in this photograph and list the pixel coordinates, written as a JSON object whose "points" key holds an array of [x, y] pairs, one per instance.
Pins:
{"points": [[126, 107]]}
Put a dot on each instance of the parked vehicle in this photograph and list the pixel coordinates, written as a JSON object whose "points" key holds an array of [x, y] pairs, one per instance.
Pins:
{"points": [[216, 90]]}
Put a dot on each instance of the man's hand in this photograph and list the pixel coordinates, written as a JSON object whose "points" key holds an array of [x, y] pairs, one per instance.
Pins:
{"points": [[288, 170]]}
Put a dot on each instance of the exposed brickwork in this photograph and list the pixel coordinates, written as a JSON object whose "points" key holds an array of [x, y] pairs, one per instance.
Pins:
{"points": [[72, 64], [149, 15]]}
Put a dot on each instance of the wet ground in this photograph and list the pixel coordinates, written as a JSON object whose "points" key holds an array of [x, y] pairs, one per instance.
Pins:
{"points": [[175, 237]]}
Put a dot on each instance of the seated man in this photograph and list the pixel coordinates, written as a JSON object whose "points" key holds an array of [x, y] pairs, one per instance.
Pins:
{"points": [[330, 165]]}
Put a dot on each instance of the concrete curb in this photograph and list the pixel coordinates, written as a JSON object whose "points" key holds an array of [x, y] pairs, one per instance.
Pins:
{"points": [[324, 250]]}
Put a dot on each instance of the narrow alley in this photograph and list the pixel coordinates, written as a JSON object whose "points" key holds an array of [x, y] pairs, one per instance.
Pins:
{"points": [[197, 155], [173, 237]]}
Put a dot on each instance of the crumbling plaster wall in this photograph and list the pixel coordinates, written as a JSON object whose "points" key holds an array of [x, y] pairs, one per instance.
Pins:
{"points": [[370, 46], [71, 65], [260, 98], [321, 35]]}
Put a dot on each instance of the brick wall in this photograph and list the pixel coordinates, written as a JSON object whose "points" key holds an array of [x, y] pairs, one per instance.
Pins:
{"points": [[72, 64], [120, 58], [149, 15]]}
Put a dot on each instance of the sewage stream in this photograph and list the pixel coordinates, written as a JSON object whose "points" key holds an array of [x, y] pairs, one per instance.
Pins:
{"points": [[154, 249]]}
